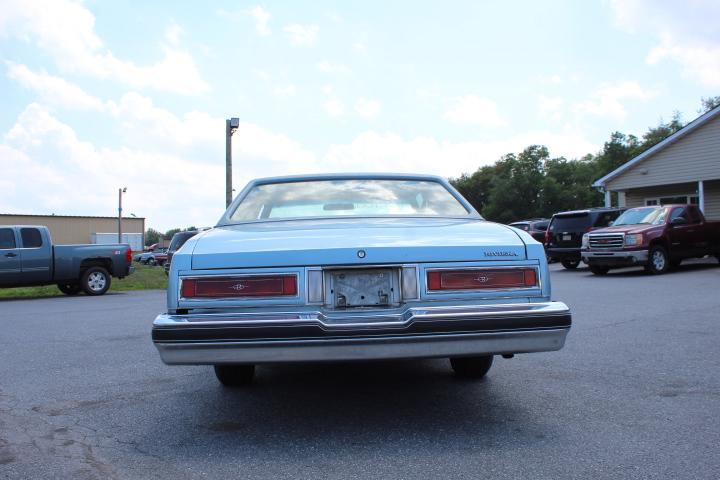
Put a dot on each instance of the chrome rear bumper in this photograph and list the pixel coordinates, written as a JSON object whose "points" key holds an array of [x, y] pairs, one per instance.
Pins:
{"points": [[314, 337]]}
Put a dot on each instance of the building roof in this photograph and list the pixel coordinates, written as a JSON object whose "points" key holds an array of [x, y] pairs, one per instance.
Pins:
{"points": [[65, 216], [689, 128]]}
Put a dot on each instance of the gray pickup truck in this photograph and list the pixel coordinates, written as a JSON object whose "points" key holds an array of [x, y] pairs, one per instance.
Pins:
{"points": [[28, 258]]}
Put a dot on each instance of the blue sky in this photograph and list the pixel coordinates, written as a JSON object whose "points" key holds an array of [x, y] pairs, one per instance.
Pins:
{"points": [[99, 95]]}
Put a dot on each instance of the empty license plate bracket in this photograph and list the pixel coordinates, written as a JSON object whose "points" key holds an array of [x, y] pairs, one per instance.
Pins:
{"points": [[362, 288]]}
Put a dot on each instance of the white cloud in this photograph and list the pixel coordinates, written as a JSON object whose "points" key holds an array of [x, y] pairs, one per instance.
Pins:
{"points": [[686, 33], [699, 61], [608, 100], [66, 31], [69, 175], [474, 110], [302, 35], [334, 107], [333, 68], [367, 108], [285, 91], [551, 107], [382, 152], [54, 90], [261, 17], [173, 33]]}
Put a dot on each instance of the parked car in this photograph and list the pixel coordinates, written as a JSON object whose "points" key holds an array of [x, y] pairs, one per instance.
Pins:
{"points": [[178, 240], [356, 267], [28, 258], [563, 238], [156, 256], [536, 227], [655, 237]]}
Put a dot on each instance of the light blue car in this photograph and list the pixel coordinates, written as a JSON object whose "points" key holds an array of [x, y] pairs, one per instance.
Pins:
{"points": [[322, 268]]}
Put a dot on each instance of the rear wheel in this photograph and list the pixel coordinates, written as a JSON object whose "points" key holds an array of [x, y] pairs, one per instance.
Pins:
{"points": [[658, 261], [95, 281], [570, 264], [152, 262], [471, 367], [235, 375], [597, 270], [69, 288]]}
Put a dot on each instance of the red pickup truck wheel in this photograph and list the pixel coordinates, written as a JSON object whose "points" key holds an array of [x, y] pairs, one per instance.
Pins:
{"points": [[658, 261]]}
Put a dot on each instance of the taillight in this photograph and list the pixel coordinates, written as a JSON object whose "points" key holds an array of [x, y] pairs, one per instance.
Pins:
{"points": [[481, 279], [128, 255], [240, 286], [547, 236]]}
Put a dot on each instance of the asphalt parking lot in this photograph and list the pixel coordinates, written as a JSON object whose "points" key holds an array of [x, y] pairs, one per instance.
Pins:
{"points": [[635, 393]]}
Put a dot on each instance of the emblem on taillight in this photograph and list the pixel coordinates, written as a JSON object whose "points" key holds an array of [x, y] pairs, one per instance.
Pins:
{"points": [[238, 286], [482, 279]]}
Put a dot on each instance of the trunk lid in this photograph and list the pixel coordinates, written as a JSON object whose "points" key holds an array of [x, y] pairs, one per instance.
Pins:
{"points": [[339, 242]]}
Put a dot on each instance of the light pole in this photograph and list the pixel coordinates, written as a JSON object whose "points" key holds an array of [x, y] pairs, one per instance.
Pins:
{"points": [[120, 192], [231, 126]]}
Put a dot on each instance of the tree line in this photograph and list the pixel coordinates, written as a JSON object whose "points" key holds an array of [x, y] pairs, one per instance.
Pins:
{"points": [[532, 184]]}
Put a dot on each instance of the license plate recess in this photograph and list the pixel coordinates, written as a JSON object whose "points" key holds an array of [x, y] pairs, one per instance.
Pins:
{"points": [[363, 287]]}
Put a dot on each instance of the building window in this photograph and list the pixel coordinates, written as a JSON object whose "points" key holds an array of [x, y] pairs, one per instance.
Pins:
{"points": [[687, 199]]}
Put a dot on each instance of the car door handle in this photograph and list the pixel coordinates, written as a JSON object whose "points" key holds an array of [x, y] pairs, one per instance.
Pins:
{"points": [[11, 254]]}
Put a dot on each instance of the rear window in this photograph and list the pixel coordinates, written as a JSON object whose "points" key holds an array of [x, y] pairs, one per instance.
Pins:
{"points": [[31, 237], [603, 219], [179, 240], [7, 238], [570, 223], [347, 197]]}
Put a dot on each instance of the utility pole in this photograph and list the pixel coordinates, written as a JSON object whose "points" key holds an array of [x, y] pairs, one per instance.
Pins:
{"points": [[231, 126], [120, 192]]}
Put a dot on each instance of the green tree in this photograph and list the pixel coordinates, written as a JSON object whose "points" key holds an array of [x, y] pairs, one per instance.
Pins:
{"points": [[152, 236], [709, 103], [171, 232]]}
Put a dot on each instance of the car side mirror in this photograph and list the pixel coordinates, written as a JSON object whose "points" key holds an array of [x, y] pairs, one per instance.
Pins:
{"points": [[611, 223], [678, 221]]}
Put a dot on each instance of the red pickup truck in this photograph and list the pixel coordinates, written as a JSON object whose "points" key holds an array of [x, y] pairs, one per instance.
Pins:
{"points": [[656, 237]]}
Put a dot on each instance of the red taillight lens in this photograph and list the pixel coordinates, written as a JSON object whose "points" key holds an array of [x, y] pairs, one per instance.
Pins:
{"points": [[547, 236], [128, 255], [481, 279], [246, 286]]}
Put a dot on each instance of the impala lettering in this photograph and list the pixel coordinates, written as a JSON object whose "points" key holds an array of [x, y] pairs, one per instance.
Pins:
{"points": [[500, 254]]}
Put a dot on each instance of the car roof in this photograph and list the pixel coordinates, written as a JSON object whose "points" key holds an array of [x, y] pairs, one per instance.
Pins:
{"points": [[591, 210], [349, 176]]}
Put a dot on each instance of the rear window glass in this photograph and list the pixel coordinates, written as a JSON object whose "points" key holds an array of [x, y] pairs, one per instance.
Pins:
{"points": [[347, 197], [604, 219], [568, 223], [179, 240], [31, 237], [7, 238]]}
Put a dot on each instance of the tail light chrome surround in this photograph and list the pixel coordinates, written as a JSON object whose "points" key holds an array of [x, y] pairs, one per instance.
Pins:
{"points": [[481, 279], [245, 286]]}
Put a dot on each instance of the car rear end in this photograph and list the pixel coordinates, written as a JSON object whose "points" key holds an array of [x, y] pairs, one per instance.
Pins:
{"points": [[358, 289]]}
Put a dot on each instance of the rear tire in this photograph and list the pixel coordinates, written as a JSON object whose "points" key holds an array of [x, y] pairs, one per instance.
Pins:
{"points": [[658, 261], [69, 288], [152, 262], [597, 270], [570, 264], [235, 375], [95, 281], [471, 367]]}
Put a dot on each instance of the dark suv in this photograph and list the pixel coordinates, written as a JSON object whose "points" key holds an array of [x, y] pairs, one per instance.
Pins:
{"points": [[536, 227], [178, 240], [563, 238]]}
